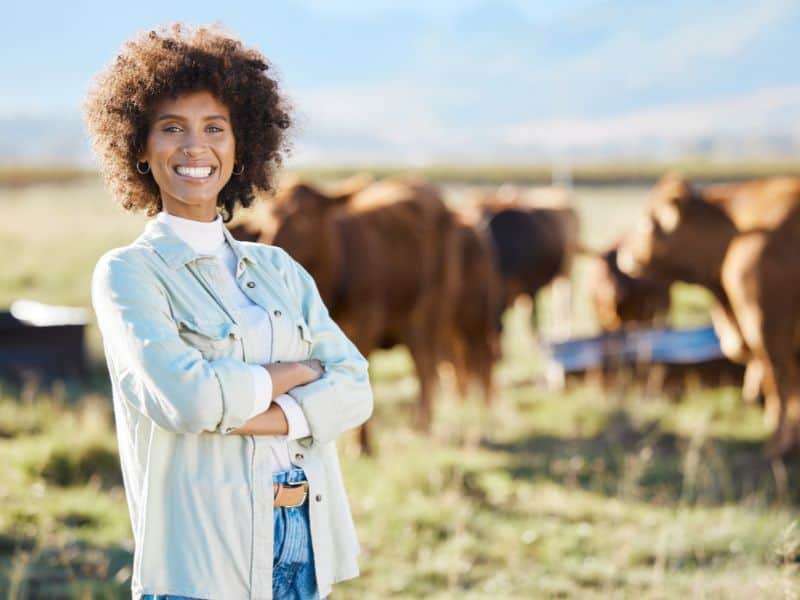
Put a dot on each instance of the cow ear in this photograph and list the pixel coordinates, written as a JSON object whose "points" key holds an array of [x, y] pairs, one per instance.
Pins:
{"points": [[675, 189], [672, 193]]}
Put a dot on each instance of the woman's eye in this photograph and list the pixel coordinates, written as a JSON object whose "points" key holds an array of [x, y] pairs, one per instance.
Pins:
{"points": [[214, 129], [172, 129]]}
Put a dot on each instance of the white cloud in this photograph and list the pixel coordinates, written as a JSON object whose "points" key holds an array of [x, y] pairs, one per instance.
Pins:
{"points": [[767, 112], [396, 123], [440, 8], [690, 42], [393, 120], [493, 81]]}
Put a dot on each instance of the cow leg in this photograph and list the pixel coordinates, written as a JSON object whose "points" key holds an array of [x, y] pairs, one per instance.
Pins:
{"points": [[460, 359], [533, 315], [730, 337], [562, 307], [425, 364], [481, 358], [753, 381], [783, 401], [781, 382], [365, 439], [484, 371], [734, 348], [767, 317]]}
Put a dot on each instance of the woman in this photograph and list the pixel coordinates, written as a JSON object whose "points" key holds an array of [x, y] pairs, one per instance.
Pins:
{"points": [[215, 347]]}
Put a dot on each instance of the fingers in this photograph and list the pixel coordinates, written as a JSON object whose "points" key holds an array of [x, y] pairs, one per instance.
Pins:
{"points": [[316, 366]]}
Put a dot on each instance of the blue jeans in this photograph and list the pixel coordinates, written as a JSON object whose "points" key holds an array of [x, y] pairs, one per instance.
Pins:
{"points": [[293, 575]]}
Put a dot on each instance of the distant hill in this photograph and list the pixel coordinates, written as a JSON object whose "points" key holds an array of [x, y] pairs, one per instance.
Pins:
{"points": [[44, 140], [63, 141]]}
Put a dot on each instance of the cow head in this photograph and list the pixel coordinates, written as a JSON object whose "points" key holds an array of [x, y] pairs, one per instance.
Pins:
{"points": [[621, 300], [675, 238], [306, 229]]}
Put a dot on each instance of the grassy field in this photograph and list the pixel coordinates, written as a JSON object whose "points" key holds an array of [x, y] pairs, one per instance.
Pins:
{"points": [[585, 494], [586, 174]]}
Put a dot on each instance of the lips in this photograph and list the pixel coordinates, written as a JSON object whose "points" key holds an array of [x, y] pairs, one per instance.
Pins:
{"points": [[195, 172]]}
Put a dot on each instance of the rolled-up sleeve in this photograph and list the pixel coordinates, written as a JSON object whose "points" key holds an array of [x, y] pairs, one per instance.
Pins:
{"points": [[262, 390], [175, 386], [342, 398], [295, 418]]}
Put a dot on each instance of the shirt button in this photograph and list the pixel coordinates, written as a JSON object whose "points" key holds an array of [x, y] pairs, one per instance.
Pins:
{"points": [[298, 456], [318, 498], [251, 284], [277, 313]]}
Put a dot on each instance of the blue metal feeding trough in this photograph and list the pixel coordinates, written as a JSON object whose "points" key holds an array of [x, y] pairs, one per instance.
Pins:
{"points": [[677, 346], [42, 339], [680, 350]]}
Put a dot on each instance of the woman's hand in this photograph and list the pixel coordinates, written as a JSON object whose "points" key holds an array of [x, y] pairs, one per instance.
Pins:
{"points": [[315, 366], [287, 375]]}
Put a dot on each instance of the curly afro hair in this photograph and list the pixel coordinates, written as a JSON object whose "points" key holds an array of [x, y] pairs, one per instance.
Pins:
{"points": [[167, 63]]}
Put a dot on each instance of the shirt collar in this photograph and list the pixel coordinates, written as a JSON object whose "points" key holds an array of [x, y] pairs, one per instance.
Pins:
{"points": [[177, 253], [203, 237]]}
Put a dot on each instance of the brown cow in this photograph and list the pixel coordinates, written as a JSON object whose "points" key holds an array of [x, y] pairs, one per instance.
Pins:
{"points": [[534, 246], [741, 242], [387, 262], [466, 323], [621, 300]]}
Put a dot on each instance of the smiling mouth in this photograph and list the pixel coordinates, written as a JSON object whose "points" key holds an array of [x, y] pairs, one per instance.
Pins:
{"points": [[195, 172]]}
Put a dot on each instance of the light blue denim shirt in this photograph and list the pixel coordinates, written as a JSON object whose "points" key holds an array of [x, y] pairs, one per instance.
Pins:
{"points": [[200, 498]]}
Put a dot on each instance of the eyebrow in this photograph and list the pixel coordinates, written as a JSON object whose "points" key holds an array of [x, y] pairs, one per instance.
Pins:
{"points": [[180, 118]]}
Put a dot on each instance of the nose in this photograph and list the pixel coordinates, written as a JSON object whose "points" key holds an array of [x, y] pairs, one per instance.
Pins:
{"points": [[193, 146], [193, 151]]}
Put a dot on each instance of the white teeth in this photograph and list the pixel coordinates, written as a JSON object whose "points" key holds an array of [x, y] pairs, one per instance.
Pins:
{"points": [[198, 172]]}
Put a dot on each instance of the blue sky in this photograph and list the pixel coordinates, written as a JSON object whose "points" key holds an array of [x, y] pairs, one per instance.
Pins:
{"points": [[421, 82]]}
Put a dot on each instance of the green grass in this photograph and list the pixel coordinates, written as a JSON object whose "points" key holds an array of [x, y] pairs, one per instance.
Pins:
{"points": [[583, 494], [586, 174], [605, 174], [21, 175]]}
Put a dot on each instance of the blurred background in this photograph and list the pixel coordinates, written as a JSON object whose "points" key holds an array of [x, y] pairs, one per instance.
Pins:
{"points": [[609, 464]]}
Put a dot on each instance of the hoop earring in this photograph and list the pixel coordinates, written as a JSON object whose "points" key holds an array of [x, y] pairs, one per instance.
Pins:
{"points": [[240, 171], [139, 169]]}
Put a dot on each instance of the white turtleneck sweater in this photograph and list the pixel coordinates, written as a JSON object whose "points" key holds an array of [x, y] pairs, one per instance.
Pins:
{"points": [[207, 238]]}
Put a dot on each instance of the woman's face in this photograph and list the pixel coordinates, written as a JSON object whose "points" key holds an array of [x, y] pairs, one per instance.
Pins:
{"points": [[191, 150]]}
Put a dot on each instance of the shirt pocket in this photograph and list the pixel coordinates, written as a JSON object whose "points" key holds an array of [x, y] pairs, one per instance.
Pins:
{"points": [[214, 339], [305, 337]]}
